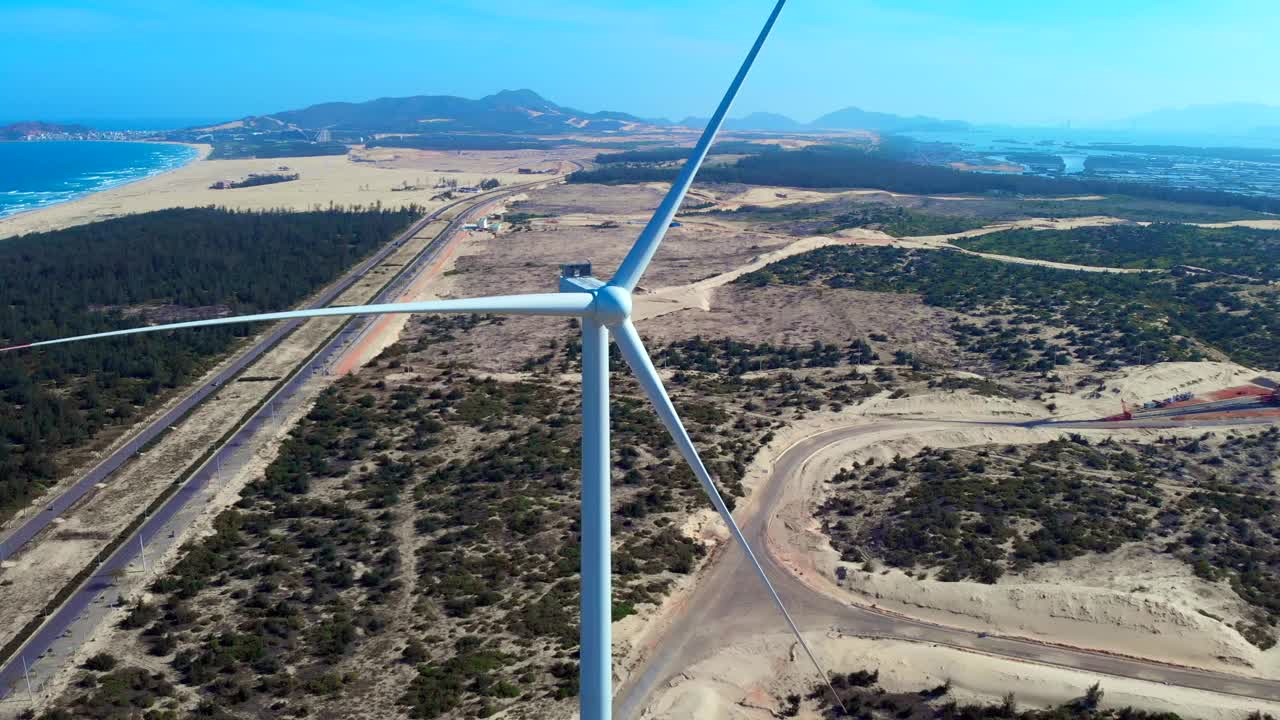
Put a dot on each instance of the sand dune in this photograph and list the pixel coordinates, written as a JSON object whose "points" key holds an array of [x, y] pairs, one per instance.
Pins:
{"points": [[748, 681]]}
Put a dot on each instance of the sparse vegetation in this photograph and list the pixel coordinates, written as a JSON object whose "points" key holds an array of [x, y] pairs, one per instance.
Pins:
{"points": [[825, 218], [124, 694], [862, 698], [256, 180], [1105, 319], [442, 506], [978, 513]]}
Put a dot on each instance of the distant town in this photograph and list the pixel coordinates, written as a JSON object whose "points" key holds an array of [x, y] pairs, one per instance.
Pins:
{"points": [[42, 131]]}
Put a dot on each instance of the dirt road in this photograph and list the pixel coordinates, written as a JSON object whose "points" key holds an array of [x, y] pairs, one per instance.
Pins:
{"points": [[728, 607]]}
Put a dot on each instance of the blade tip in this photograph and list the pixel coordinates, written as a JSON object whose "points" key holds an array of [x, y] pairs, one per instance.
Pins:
{"points": [[16, 347]]}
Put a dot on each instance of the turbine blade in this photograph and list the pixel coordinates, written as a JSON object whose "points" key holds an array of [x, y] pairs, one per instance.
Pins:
{"points": [[637, 259], [556, 304], [638, 358]]}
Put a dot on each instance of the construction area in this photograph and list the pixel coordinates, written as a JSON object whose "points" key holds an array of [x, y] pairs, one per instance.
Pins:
{"points": [[1259, 399]]}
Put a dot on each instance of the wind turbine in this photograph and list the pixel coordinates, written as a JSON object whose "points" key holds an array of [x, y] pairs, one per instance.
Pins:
{"points": [[604, 310]]}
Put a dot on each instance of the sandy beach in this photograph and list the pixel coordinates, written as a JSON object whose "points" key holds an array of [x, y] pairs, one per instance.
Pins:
{"points": [[364, 177]]}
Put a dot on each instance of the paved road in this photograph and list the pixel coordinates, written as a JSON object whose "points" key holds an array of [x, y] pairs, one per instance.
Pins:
{"points": [[728, 606], [11, 674]]}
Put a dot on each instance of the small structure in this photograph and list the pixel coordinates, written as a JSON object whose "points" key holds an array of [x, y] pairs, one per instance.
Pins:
{"points": [[575, 270]]}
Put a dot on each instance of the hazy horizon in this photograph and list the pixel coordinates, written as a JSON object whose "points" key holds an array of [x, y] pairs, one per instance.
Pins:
{"points": [[1089, 63]]}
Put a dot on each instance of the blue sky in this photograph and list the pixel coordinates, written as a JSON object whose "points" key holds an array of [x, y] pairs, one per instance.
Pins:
{"points": [[1015, 61]]}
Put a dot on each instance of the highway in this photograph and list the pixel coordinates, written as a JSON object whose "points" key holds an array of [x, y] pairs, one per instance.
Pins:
{"points": [[11, 673], [43, 517], [729, 606]]}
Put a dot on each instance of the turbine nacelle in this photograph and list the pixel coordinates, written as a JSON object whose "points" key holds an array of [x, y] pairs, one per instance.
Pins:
{"points": [[612, 303]]}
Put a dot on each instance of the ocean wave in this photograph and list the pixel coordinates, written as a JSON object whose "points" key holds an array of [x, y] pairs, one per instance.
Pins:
{"points": [[50, 190]]}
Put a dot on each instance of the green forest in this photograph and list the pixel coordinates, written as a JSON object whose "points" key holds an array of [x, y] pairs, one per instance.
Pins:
{"points": [[844, 167], [1234, 250], [154, 267], [257, 147]]}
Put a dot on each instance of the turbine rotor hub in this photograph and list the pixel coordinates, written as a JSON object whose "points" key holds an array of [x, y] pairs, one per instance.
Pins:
{"points": [[612, 305]]}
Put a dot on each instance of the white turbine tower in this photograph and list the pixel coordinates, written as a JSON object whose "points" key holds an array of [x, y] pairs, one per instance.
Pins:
{"points": [[604, 310]]}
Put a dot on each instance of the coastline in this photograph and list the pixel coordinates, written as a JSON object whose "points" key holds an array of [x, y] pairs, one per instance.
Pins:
{"points": [[389, 178], [201, 152]]}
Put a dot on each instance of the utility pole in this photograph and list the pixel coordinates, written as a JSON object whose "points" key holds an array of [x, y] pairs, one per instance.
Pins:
{"points": [[142, 547], [26, 674]]}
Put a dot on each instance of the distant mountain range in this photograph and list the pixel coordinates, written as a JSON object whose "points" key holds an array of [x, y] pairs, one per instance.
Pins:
{"points": [[525, 111], [1235, 118], [755, 121], [509, 111], [850, 118]]}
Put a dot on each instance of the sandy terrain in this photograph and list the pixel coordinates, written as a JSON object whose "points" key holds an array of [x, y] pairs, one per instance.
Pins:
{"points": [[1255, 224], [990, 167], [1131, 603], [387, 329], [1135, 604], [1149, 382], [765, 196], [1084, 603], [749, 681], [446, 164], [697, 295], [329, 180]]}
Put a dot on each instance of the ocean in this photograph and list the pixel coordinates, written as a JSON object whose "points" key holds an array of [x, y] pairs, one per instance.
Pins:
{"points": [[37, 174]]}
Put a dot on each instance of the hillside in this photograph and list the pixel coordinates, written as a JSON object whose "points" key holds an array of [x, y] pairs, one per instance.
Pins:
{"points": [[512, 111], [755, 121], [30, 128], [852, 118], [525, 111]]}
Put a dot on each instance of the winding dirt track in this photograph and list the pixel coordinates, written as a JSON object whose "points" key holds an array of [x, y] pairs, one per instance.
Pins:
{"points": [[728, 606]]}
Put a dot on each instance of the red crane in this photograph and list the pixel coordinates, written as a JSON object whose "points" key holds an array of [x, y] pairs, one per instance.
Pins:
{"points": [[1125, 413]]}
